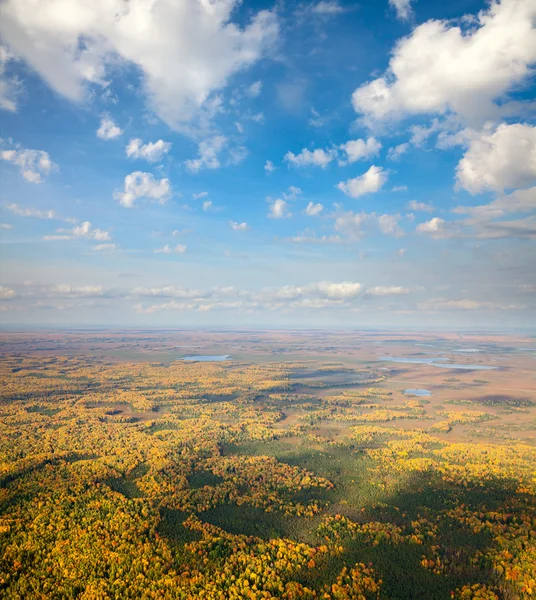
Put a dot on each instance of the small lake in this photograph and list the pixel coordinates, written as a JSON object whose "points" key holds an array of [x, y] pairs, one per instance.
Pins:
{"points": [[442, 363], [417, 392], [207, 358]]}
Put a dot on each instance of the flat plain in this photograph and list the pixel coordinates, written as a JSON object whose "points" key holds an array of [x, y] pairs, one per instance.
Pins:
{"points": [[269, 464]]}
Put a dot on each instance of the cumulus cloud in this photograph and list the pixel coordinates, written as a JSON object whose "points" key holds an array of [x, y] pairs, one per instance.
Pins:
{"points": [[6, 293], [403, 8], [489, 221], [143, 185], [371, 181], [522, 201], [327, 8], [108, 130], [83, 231], [397, 151], [71, 46], [461, 67], [238, 226], [503, 159], [167, 249], [390, 290], [319, 158], [208, 151], [314, 209], [315, 296], [34, 165], [389, 225], [254, 89], [278, 209], [10, 86], [434, 226], [419, 206], [151, 152], [354, 225], [105, 248], [360, 149], [31, 212], [465, 304], [269, 166], [292, 193]]}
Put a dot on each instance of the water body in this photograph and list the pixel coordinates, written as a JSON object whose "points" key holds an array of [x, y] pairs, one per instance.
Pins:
{"points": [[417, 392], [465, 367], [416, 361], [207, 358], [439, 362], [470, 350]]}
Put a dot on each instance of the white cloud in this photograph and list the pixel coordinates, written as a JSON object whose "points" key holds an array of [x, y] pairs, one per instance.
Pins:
{"points": [[164, 250], [105, 248], [152, 151], [199, 195], [254, 89], [239, 226], [83, 231], [396, 152], [503, 159], [461, 67], [208, 151], [419, 206], [306, 158], [278, 209], [433, 226], [269, 166], [185, 51], [207, 205], [10, 87], [6, 226], [180, 249], [108, 130], [403, 8], [360, 149], [314, 209], [328, 8], [391, 290], [388, 224], [6, 293], [400, 188], [292, 193], [33, 164], [143, 185], [351, 225], [31, 212], [482, 222], [522, 201], [466, 304], [371, 181]]}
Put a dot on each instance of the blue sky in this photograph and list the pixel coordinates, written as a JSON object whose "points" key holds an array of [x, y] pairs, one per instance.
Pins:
{"points": [[196, 162]]}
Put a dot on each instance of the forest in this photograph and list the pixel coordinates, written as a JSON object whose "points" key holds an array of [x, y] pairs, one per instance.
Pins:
{"points": [[234, 480]]}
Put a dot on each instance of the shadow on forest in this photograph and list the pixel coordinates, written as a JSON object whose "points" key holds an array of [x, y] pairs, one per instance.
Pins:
{"points": [[398, 565]]}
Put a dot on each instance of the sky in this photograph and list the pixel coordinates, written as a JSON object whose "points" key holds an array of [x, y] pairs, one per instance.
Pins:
{"points": [[184, 163]]}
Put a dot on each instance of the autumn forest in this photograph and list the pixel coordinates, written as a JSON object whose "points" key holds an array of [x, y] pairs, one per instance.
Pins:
{"points": [[260, 465]]}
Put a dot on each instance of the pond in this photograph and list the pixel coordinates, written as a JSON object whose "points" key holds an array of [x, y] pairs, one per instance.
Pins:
{"points": [[442, 363], [417, 392], [207, 358]]}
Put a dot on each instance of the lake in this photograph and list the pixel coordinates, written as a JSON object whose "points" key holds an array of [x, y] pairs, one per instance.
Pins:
{"points": [[207, 358], [417, 392]]}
